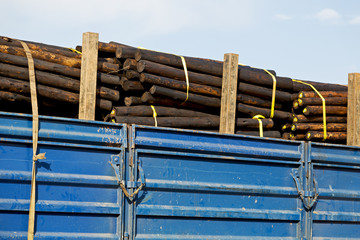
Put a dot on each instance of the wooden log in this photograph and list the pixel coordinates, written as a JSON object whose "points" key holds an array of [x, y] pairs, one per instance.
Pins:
{"points": [[333, 101], [325, 94], [295, 104], [300, 118], [286, 127], [181, 96], [18, 86], [256, 101], [202, 65], [40, 47], [319, 135], [332, 110], [165, 101], [56, 68], [179, 85], [131, 74], [253, 111], [297, 136], [60, 59], [50, 79], [286, 135], [262, 78], [331, 127], [107, 47], [178, 74], [14, 97], [130, 64], [108, 93], [297, 87], [254, 123], [146, 110], [176, 122], [254, 90], [272, 134], [128, 85], [104, 104], [132, 100], [125, 52]]}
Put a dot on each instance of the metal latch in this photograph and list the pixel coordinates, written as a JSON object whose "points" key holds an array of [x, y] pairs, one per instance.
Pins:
{"points": [[115, 163], [309, 198]]}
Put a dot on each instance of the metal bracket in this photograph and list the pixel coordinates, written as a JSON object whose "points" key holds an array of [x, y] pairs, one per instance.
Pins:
{"points": [[115, 163], [309, 198]]}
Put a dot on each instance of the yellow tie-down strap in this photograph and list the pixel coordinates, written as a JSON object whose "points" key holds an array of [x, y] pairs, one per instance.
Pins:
{"points": [[185, 71], [259, 117], [35, 133], [154, 114], [323, 104], [273, 94]]}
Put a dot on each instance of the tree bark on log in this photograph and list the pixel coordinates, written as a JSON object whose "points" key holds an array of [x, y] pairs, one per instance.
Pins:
{"points": [[56, 68], [254, 123], [272, 134], [318, 110], [178, 74], [333, 101], [253, 111], [150, 99], [53, 80], [181, 96], [254, 90], [178, 122], [332, 127], [256, 101], [249, 75], [125, 52], [131, 74], [180, 85], [329, 119], [332, 136], [40, 47], [297, 87], [59, 59], [325, 94], [132, 100], [128, 85], [161, 111]]}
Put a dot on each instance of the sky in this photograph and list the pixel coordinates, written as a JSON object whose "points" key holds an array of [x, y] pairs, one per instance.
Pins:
{"points": [[306, 40]]}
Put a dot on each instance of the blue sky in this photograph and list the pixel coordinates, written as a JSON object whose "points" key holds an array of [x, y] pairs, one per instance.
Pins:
{"points": [[308, 40]]}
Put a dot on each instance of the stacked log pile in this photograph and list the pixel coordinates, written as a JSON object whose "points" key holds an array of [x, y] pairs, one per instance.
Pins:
{"points": [[139, 86], [308, 121], [57, 72]]}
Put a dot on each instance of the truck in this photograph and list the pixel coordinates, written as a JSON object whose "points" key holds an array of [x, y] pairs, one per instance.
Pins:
{"points": [[116, 181]]}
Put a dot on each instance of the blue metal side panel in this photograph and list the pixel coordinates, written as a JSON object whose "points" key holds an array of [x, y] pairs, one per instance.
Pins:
{"points": [[78, 196], [210, 186], [337, 172]]}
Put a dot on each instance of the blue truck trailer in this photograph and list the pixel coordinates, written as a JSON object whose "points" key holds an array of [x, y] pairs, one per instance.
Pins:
{"points": [[113, 181]]}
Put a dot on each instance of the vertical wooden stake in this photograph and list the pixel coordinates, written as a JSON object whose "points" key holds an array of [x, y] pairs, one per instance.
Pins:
{"points": [[228, 94], [353, 114], [89, 59]]}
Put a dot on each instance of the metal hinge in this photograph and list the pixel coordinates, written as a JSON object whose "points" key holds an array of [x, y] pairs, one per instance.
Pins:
{"points": [[115, 163], [309, 198]]}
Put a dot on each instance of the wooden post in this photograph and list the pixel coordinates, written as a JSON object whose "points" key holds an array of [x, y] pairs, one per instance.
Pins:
{"points": [[228, 93], [88, 76], [353, 110]]}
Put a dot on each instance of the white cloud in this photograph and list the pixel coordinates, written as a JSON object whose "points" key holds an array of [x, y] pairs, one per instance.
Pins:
{"points": [[355, 20], [328, 14], [283, 17]]}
